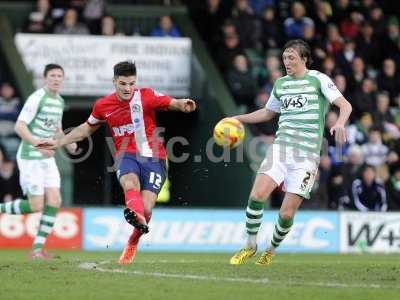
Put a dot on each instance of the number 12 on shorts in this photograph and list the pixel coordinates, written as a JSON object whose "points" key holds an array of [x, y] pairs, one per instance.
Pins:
{"points": [[155, 179]]}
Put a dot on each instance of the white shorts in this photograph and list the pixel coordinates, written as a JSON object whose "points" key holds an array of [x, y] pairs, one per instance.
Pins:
{"points": [[297, 175], [37, 174]]}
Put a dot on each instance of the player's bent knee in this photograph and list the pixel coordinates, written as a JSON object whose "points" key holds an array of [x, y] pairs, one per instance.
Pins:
{"points": [[258, 196], [54, 201], [286, 214], [53, 197], [130, 181]]}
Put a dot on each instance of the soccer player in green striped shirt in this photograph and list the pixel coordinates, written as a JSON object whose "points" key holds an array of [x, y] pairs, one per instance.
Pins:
{"points": [[301, 98], [40, 119]]}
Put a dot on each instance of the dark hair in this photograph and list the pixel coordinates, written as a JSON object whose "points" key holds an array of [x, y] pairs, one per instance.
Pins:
{"points": [[50, 67], [302, 48], [367, 166], [125, 68]]}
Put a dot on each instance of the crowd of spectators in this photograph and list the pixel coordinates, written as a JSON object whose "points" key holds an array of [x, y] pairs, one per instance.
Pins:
{"points": [[10, 106], [87, 17], [357, 44]]}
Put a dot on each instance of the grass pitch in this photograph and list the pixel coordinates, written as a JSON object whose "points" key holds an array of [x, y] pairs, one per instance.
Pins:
{"points": [[192, 276]]}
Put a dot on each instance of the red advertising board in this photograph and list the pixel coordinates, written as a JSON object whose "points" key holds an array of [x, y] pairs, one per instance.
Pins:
{"points": [[18, 231]]}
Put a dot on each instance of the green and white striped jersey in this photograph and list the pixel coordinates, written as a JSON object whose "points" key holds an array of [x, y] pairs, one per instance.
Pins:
{"points": [[43, 115], [302, 104]]}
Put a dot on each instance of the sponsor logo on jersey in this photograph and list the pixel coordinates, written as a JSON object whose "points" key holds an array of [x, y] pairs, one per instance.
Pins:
{"points": [[124, 129], [293, 102]]}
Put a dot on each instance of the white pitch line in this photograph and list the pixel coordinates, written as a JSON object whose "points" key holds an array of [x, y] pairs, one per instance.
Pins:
{"points": [[96, 267]]}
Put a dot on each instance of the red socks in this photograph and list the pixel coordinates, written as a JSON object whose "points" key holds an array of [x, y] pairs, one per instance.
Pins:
{"points": [[134, 201]]}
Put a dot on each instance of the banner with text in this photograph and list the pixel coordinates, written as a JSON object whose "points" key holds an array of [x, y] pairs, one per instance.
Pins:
{"points": [[370, 232], [18, 231], [162, 63], [208, 230]]}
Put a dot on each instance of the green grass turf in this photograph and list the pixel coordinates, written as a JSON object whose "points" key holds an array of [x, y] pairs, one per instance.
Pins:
{"points": [[192, 276]]}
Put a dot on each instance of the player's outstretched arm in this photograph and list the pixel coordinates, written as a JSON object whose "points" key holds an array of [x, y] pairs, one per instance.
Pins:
{"points": [[258, 116], [76, 135], [183, 105], [71, 148], [344, 114]]}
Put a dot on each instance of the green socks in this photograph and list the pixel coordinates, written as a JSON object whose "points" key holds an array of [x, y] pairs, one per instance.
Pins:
{"points": [[281, 229], [46, 224], [254, 214], [16, 207]]}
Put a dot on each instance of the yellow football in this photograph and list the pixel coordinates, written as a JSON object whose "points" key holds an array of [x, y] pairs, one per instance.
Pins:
{"points": [[229, 132]]}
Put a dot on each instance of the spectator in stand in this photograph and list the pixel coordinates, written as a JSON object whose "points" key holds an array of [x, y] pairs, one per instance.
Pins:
{"points": [[241, 82], [364, 98], [259, 6], [93, 13], [246, 23], [342, 177], [9, 183], [271, 33], [329, 67], [228, 28], [393, 188], [368, 193], [341, 84], [392, 37], [316, 46], [209, 17], [166, 28], [40, 20], [322, 17], [226, 53], [294, 25], [368, 46], [388, 80], [377, 21], [350, 27], [357, 133], [10, 106], [382, 115], [70, 24], [108, 26], [375, 152], [270, 63], [334, 42], [365, 6], [341, 11], [346, 56], [357, 75]]}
